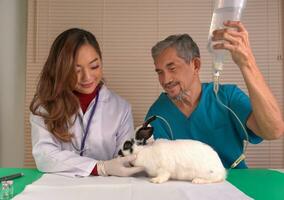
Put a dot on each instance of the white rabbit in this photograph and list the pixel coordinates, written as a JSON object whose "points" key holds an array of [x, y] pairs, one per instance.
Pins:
{"points": [[177, 159]]}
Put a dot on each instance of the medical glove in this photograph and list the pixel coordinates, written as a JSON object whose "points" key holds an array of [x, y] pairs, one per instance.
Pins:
{"points": [[120, 166]]}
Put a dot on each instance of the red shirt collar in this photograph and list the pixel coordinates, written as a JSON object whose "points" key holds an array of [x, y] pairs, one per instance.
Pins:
{"points": [[86, 99]]}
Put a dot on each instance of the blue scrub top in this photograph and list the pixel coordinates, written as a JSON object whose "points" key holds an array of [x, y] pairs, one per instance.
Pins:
{"points": [[210, 122]]}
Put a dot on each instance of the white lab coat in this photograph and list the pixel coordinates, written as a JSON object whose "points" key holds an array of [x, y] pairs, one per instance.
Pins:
{"points": [[111, 125]]}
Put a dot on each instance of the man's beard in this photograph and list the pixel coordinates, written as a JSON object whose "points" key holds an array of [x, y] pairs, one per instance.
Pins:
{"points": [[183, 95]]}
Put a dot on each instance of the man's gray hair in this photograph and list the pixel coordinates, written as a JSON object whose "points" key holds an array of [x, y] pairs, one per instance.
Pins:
{"points": [[186, 48]]}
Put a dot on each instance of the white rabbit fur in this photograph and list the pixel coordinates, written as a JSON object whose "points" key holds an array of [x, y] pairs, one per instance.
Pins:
{"points": [[179, 159]]}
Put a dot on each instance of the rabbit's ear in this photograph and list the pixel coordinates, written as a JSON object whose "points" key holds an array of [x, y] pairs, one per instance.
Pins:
{"points": [[144, 133], [150, 140]]}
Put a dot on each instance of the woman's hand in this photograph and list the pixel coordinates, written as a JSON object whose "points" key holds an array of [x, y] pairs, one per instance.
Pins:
{"points": [[120, 166]]}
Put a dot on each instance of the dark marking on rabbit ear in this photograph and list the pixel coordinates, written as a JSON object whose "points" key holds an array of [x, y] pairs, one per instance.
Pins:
{"points": [[149, 120], [144, 133]]}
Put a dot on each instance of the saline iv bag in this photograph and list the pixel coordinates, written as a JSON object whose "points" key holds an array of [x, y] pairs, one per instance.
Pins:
{"points": [[224, 10]]}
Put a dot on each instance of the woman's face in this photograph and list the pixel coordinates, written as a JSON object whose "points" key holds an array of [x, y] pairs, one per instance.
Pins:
{"points": [[88, 67]]}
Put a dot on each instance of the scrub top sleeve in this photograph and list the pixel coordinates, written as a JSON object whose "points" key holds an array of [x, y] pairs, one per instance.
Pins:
{"points": [[239, 102], [126, 129], [50, 158]]}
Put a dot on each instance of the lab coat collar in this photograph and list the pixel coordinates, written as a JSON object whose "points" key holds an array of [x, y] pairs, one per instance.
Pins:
{"points": [[103, 97]]}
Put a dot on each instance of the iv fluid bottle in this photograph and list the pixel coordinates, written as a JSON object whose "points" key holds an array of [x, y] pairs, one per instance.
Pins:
{"points": [[224, 10]]}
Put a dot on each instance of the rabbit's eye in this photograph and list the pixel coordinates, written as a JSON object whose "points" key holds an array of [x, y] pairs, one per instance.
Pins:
{"points": [[127, 145]]}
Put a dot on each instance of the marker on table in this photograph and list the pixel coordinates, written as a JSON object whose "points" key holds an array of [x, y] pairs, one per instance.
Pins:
{"points": [[10, 177]]}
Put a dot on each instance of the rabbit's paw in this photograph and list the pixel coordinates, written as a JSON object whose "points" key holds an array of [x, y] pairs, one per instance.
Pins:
{"points": [[158, 180], [162, 177], [200, 181]]}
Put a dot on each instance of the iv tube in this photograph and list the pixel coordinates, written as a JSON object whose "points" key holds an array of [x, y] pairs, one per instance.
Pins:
{"points": [[216, 80], [223, 11]]}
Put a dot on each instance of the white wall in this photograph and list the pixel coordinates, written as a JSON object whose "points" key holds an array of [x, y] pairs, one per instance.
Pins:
{"points": [[13, 22]]}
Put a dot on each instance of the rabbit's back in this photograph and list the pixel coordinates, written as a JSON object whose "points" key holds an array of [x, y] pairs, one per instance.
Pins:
{"points": [[183, 159]]}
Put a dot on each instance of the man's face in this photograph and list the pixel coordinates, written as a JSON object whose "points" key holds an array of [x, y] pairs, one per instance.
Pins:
{"points": [[175, 75]]}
